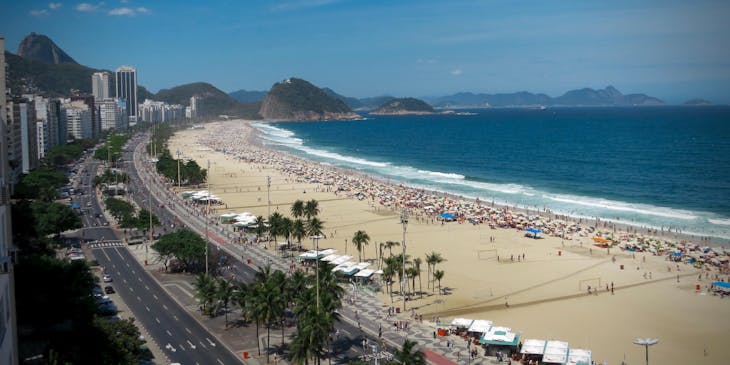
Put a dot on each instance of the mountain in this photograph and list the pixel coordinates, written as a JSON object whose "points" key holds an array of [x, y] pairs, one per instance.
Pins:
{"points": [[248, 96], [403, 106], [581, 97], [38, 47], [30, 76], [297, 99], [697, 102], [213, 101], [349, 101]]}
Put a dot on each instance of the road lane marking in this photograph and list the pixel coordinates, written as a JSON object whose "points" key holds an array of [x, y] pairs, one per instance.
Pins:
{"points": [[139, 299], [155, 296], [132, 270], [147, 287], [210, 342], [131, 289], [182, 347], [202, 344], [219, 361], [175, 317], [164, 306], [168, 333], [170, 347], [191, 345], [147, 308], [139, 279], [157, 319], [124, 280]]}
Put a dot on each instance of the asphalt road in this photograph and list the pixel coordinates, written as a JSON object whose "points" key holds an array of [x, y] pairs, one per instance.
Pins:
{"points": [[182, 338], [347, 345]]}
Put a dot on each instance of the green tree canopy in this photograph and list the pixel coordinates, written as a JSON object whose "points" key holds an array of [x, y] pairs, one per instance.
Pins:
{"points": [[185, 246]]}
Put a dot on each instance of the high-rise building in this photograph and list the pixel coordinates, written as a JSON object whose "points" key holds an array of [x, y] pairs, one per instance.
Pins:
{"points": [[100, 86], [194, 107], [55, 117], [47, 118], [8, 333], [78, 119], [126, 88], [111, 114], [22, 142], [88, 99]]}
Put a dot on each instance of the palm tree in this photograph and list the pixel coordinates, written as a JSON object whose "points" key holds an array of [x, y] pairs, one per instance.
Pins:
{"points": [[390, 244], [224, 294], [241, 298], [432, 260], [381, 245], [311, 209], [205, 291], [258, 299], [388, 277], [286, 229], [408, 355], [260, 226], [417, 264], [315, 227], [438, 275], [275, 224], [412, 272], [297, 209], [360, 240], [298, 230]]}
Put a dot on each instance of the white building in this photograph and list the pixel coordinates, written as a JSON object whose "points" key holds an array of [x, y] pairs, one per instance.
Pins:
{"points": [[194, 107], [100, 85], [78, 119], [126, 88], [112, 114], [46, 114], [160, 112]]}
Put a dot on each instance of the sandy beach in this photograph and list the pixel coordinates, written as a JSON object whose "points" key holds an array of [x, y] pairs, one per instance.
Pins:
{"points": [[542, 296]]}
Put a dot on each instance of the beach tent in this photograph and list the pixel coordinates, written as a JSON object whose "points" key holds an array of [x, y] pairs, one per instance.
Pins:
{"points": [[365, 273], [480, 326], [461, 322], [447, 216], [534, 231], [556, 352], [330, 258], [500, 336], [721, 286], [579, 357], [533, 347], [600, 240], [227, 218], [340, 260]]}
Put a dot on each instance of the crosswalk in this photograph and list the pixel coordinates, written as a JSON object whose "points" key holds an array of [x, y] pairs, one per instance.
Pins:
{"points": [[106, 244]]}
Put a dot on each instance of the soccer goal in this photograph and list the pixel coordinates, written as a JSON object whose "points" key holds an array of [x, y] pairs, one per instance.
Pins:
{"points": [[595, 283], [487, 254]]}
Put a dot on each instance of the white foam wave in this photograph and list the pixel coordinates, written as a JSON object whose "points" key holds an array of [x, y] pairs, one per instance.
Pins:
{"points": [[622, 206], [442, 174], [722, 222]]}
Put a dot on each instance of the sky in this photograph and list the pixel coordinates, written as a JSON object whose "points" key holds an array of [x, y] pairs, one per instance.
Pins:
{"points": [[674, 50]]}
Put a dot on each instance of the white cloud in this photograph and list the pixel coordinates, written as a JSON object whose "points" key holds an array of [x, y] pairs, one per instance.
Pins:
{"points": [[39, 13], [124, 11], [456, 72], [54, 6], [87, 7]]}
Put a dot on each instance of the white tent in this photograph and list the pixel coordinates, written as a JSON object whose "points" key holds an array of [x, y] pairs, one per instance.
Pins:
{"points": [[340, 260], [330, 258], [499, 335], [343, 266], [461, 322], [579, 357], [533, 347], [480, 326], [556, 352], [365, 273]]}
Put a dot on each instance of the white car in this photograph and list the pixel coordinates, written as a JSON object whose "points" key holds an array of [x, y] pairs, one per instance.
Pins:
{"points": [[107, 278]]}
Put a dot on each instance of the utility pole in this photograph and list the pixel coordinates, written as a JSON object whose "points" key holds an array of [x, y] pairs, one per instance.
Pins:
{"points": [[268, 193], [207, 211], [149, 204], [404, 222], [178, 170], [315, 240]]}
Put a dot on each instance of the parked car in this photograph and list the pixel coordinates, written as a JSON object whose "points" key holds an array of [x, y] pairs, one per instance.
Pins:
{"points": [[109, 289], [107, 278]]}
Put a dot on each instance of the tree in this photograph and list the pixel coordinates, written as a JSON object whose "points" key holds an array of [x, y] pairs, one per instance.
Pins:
{"points": [[205, 291], [298, 230], [143, 220], [260, 226], [54, 218], [438, 275], [275, 224], [124, 342], [40, 183], [390, 244], [286, 229], [185, 246], [408, 355], [297, 209], [360, 240], [417, 264], [241, 297], [315, 227], [412, 272], [311, 209], [224, 293]]}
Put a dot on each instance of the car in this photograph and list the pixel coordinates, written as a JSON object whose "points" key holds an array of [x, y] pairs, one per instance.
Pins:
{"points": [[109, 289], [107, 278]]}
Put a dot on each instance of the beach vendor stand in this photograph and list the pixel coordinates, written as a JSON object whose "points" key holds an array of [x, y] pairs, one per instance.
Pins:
{"points": [[556, 352], [500, 339], [479, 327], [227, 218], [532, 350], [579, 357], [457, 325]]}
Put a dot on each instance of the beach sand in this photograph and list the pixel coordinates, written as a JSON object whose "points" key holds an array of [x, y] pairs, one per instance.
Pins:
{"points": [[546, 292]]}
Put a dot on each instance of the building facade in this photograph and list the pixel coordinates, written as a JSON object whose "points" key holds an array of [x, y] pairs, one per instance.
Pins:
{"points": [[88, 99], [100, 86], [126, 88], [21, 137], [78, 119], [112, 114], [8, 332]]}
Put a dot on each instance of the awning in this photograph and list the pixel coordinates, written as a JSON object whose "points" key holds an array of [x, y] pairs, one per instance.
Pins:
{"points": [[502, 336], [556, 352], [533, 347], [480, 326], [461, 322], [579, 357], [365, 273]]}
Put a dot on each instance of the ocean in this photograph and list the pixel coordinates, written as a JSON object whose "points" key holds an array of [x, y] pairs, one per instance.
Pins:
{"points": [[654, 167]]}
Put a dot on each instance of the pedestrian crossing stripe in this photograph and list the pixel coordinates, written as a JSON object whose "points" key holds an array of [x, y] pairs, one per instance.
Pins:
{"points": [[106, 244]]}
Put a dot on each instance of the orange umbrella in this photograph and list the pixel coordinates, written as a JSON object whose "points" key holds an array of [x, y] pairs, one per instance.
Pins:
{"points": [[601, 240]]}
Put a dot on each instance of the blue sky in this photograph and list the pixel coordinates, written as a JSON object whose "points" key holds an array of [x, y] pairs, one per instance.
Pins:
{"points": [[674, 50]]}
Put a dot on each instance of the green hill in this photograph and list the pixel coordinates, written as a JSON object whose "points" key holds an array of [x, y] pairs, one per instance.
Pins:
{"points": [[28, 76], [297, 99], [38, 47], [404, 106], [213, 101]]}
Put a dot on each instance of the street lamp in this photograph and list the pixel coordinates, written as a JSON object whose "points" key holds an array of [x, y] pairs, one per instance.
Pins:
{"points": [[404, 222], [268, 193], [207, 212], [646, 342], [315, 240]]}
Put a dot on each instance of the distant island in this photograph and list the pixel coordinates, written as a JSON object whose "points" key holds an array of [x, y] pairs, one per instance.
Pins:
{"points": [[404, 106], [298, 100]]}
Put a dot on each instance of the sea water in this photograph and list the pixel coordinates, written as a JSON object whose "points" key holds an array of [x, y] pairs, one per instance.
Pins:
{"points": [[654, 167]]}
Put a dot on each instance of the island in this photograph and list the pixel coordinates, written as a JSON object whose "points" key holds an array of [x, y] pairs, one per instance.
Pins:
{"points": [[404, 106]]}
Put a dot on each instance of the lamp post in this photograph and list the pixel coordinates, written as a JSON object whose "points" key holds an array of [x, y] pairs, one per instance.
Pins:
{"points": [[268, 193], [207, 211], [315, 241], [646, 342], [404, 222], [178, 170]]}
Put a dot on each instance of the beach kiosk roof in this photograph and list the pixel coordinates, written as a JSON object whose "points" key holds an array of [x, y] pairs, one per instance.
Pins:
{"points": [[502, 336], [461, 322], [533, 347], [365, 273], [341, 260], [480, 326], [579, 357], [344, 265], [330, 258], [556, 352]]}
